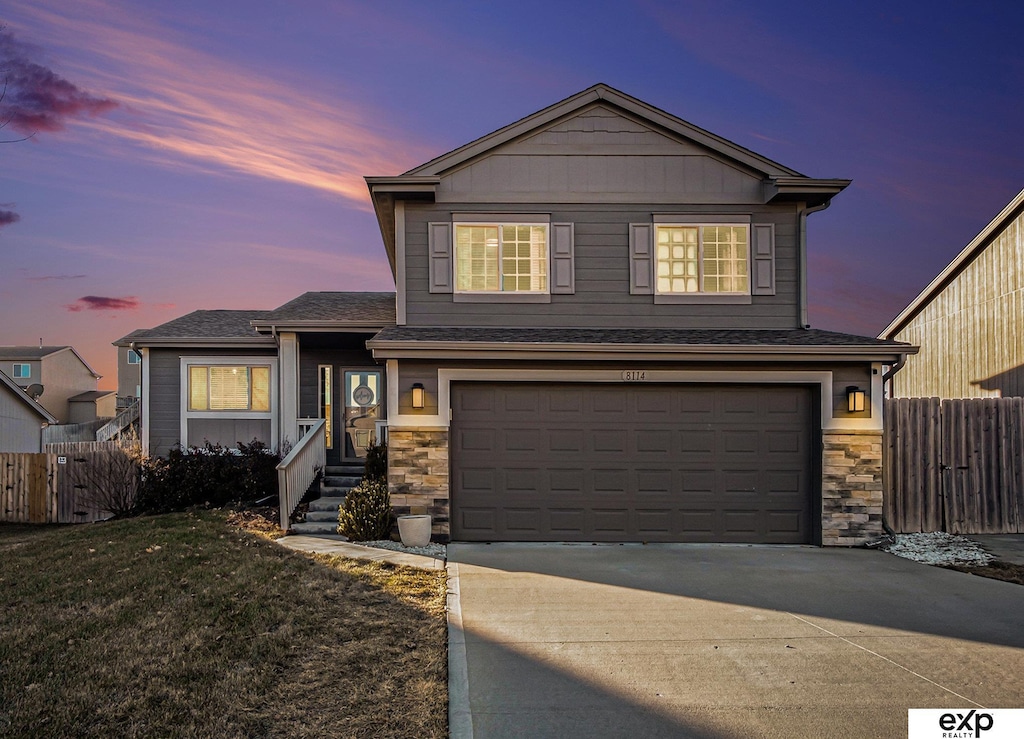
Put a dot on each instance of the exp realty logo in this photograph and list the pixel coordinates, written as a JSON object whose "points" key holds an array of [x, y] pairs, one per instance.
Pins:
{"points": [[970, 723]]}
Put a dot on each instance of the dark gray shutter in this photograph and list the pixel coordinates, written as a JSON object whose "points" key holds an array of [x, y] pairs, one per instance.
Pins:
{"points": [[762, 249], [563, 278], [440, 249], [641, 259]]}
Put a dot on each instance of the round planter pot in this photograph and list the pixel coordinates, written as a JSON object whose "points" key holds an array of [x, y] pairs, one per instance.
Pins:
{"points": [[414, 530]]}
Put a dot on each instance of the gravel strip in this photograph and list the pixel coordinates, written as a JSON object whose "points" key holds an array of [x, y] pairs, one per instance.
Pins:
{"points": [[438, 551], [939, 548]]}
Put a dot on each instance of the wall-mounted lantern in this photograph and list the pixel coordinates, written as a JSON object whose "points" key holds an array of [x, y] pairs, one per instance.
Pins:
{"points": [[418, 396], [855, 399]]}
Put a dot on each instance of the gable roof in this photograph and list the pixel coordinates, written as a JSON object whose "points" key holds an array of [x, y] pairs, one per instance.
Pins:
{"points": [[202, 327], [970, 252], [36, 353], [781, 184], [91, 395], [25, 398], [349, 311]]}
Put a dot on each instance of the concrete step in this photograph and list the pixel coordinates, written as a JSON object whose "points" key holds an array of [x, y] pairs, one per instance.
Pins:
{"points": [[341, 481], [316, 527], [321, 516], [353, 470], [326, 504]]}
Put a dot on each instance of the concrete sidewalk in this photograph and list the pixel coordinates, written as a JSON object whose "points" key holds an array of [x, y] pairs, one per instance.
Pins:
{"points": [[339, 546], [720, 641]]}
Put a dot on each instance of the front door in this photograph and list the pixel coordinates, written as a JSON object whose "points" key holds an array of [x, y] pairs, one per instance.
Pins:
{"points": [[363, 393]]}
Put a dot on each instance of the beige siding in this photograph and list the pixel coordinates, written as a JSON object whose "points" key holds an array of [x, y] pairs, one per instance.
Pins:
{"points": [[971, 333], [62, 376], [129, 376]]}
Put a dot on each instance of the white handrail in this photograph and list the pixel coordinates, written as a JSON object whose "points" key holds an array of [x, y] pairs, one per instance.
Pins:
{"points": [[297, 471]]}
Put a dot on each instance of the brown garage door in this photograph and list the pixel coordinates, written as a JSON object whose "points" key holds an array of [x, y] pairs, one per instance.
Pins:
{"points": [[574, 462]]}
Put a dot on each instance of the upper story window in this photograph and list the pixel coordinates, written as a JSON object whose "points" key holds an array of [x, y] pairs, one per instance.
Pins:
{"points": [[228, 388], [702, 259], [501, 257], [22, 371], [133, 357]]}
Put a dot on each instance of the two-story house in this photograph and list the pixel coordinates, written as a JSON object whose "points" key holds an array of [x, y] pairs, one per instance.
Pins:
{"points": [[59, 379], [599, 333]]}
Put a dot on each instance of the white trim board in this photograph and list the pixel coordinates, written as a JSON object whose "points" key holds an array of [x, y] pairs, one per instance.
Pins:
{"points": [[446, 376], [184, 414]]}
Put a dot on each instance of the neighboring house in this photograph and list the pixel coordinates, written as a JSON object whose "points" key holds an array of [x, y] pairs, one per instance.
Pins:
{"points": [[50, 374], [129, 376], [21, 419], [599, 333], [969, 322]]}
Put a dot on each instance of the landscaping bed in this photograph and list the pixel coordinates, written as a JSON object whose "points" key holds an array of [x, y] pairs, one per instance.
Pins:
{"points": [[184, 625]]}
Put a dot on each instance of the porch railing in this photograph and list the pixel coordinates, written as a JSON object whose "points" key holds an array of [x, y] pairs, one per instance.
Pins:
{"points": [[125, 418], [297, 471]]}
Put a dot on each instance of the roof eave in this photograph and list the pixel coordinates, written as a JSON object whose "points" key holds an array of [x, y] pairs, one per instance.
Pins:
{"points": [[397, 349], [361, 327], [814, 192], [205, 342]]}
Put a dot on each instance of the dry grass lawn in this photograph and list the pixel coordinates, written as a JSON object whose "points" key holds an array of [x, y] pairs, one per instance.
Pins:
{"points": [[183, 625]]}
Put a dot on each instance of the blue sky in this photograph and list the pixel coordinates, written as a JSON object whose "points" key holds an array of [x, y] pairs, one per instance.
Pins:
{"points": [[210, 155]]}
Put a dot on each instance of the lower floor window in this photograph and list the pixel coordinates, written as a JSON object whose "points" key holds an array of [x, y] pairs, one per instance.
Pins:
{"points": [[228, 388]]}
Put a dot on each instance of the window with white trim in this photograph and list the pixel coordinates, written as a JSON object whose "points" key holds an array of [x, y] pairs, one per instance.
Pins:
{"points": [[229, 388], [134, 357], [702, 259], [501, 257], [22, 371]]}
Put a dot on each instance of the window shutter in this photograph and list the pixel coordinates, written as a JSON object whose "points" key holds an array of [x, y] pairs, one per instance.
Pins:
{"points": [[440, 250], [763, 253], [563, 278], [641, 259]]}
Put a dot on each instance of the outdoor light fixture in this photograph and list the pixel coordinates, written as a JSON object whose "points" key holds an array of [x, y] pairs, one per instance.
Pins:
{"points": [[855, 399], [418, 396]]}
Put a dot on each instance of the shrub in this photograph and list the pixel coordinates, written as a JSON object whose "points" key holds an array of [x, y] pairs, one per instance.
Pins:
{"points": [[366, 513], [376, 462], [210, 475]]}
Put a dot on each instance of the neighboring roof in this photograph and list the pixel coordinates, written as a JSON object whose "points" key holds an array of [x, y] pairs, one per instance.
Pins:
{"points": [[26, 399], [978, 244], [781, 184], [616, 341], [332, 310], [35, 353], [90, 395], [202, 327]]}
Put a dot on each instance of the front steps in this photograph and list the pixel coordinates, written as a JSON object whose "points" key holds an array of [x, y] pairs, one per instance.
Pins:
{"points": [[322, 516]]}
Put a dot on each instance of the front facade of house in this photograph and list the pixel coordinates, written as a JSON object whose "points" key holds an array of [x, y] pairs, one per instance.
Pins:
{"points": [[598, 334], [969, 322]]}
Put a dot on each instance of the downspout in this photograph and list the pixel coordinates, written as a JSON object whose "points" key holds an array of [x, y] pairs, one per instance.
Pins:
{"points": [[804, 211]]}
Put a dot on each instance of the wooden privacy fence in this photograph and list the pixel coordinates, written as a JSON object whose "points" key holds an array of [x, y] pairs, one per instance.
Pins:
{"points": [[954, 465], [70, 483]]}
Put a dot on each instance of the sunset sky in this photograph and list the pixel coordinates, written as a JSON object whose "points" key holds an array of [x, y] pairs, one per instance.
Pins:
{"points": [[196, 154]]}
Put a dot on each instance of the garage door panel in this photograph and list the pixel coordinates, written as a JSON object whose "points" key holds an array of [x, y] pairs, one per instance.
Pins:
{"points": [[626, 463]]}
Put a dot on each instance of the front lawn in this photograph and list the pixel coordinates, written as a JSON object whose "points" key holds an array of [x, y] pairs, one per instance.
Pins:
{"points": [[182, 625]]}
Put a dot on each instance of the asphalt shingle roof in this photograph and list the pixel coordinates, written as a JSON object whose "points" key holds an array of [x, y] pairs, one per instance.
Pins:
{"points": [[701, 337], [337, 306], [28, 352], [203, 324]]}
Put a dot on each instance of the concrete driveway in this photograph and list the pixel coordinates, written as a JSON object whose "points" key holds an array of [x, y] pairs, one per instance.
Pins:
{"points": [[677, 640]]}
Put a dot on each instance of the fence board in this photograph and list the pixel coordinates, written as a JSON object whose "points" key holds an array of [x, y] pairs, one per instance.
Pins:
{"points": [[28, 491], [954, 465]]}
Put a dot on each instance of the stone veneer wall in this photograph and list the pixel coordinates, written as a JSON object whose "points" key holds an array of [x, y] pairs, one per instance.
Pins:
{"points": [[851, 487], [418, 475]]}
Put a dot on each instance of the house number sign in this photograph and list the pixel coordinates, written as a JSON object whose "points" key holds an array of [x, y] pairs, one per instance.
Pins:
{"points": [[634, 375]]}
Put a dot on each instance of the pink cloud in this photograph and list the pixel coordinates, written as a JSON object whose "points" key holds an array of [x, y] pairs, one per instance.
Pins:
{"points": [[96, 302], [47, 278], [35, 98]]}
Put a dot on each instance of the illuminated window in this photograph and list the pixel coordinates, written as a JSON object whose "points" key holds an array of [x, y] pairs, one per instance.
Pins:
{"points": [[22, 371], [702, 259], [228, 388], [505, 257]]}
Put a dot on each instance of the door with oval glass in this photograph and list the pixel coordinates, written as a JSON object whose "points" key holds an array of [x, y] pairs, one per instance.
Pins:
{"points": [[363, 408]]}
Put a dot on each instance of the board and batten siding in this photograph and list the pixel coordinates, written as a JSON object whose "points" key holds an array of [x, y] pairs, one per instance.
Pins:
{"points": [[20, 426], [602, 296], [971, 333], [165, 397]]}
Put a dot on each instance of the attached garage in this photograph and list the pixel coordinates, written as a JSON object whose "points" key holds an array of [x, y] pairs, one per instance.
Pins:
{"points": [[535, 461]]}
